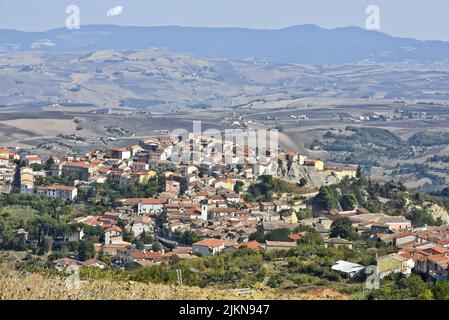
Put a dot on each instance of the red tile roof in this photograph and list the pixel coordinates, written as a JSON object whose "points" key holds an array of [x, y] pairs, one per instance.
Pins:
{"points": [[210, 243], [297, 236], [144, 201], [84, 165], [156, 256], [66, 188], [250, 244]]}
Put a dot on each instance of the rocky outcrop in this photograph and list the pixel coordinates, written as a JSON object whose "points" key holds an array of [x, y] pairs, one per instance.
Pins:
{"points": [[294, 172], [437, 212]]}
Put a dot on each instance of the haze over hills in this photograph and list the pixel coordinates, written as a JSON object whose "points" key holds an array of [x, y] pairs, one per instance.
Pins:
{"points": [[51, 98], [305, 44], [151, 78]]}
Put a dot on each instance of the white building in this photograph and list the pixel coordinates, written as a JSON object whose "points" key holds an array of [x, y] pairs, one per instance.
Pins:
{"points": [[62, 192], [208, 247], [113, 235], [151, 206], [351, 270], [146, 206], [140, 225]]}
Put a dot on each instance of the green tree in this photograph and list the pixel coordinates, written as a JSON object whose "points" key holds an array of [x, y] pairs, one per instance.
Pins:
{"points": [[238, 187], [36, 167], [349, 202], [312, 238], [186, 237], [49, 163], [420, 217], [326, 199], [258, 236], [46, 245], [343, 228], [103, 257], [86, 250], [359, 172], [93, 232], [146, 238], [278, 235], [156, 246], [139, 244], [441, 290], [426, 294], [128, 236]]}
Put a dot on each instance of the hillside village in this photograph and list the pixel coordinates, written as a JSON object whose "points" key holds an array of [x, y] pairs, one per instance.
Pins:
{"points": [[133, 208]]}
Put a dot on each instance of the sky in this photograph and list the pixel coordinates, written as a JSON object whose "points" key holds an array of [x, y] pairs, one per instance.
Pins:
{"points": [[425, 20]]}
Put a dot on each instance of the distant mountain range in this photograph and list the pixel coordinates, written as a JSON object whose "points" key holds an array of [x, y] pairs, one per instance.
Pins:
{"points": [[305, 44]]}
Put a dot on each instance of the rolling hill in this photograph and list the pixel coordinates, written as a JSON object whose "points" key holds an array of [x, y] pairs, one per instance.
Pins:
{"points": [[150, 79], [305, 44]]}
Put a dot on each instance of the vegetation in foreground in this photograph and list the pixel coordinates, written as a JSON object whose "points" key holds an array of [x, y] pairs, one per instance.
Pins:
{"points": [[21, 285]]}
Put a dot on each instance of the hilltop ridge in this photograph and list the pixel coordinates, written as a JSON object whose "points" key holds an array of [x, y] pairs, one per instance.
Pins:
{"points": [[304, 44]]}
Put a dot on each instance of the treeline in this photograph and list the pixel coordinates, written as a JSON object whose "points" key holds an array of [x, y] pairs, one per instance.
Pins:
{"points": [[366, 145], [437, 158], [102, 197], [429, 138], [399, 287], [45, 221]]}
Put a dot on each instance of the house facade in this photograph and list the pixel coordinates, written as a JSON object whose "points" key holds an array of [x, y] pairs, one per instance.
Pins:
{"points": [[208, 247], [61, 192]]}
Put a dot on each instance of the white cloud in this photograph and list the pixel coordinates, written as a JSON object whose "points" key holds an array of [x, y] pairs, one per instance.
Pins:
{"points": [[115, 11]]}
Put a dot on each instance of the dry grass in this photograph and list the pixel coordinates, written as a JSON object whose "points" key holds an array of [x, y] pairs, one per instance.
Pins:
{"points": [[16, 285]]}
